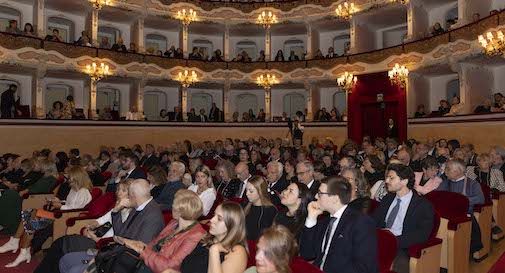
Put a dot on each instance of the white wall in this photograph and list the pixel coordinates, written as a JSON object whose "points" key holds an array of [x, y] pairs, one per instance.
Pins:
{"points": [[391, 36], [365, 39], [499, 79], [260, 94], [216, 94], [498, 4], [277, 99], [24, 88], [438, 90], [278, 43], [124, 29], [326, 99], [25, 10], [259, 40], [483, 7], [479, 83], [419, 93], [81, 98], [326, 40], [172, 36], [438, 15], [420, 22], [171, 92], [79, 21], [124, 95]]}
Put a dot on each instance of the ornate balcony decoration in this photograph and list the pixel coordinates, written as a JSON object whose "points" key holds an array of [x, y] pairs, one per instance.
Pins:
{"points": [[493, 46], [266, 19], [403, 2], [345, 10], [96, 73], [347, 81], [187, 78], [99, 4], [399, 75], [186, 17], [266, 81]]}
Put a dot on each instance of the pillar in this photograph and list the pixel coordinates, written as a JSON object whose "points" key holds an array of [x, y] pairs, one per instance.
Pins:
{"points": [[226, 43], [313, 99], [92, 100], [353, 23], [268, 105], [268, 45], [410, 21], [184, 39], [226, 101], [184, 102], [38, 110], [310, 42], [138, 35], [38, 18], [137, 97], [92, 27]]}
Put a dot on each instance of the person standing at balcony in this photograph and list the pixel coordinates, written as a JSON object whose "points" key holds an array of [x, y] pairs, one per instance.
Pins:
{"points": [[68, 108], [8, 102], [13, 27], [119, 45], [214, 113], [280, 56], [293, 56], [261, 58], [331, 53], [28, 30], [55, 37], [202, 117]]}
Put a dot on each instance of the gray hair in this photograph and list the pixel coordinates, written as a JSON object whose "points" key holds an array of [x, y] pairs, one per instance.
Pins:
{"points": [[500, 151], [178, 166], [279, 166], [455, 163], [307, 165], [140, 188]]}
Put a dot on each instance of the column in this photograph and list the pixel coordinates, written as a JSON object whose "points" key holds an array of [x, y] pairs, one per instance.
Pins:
{"points": [[410, 21], [183, 99], [38, 18], [38, 110], [310, 42], [92, 100], [226, 42], [138, 35], [268, 45], [353, 23], [138, 94], [92, 27], [463, 18], [310, 94], [268, 105], [184, 39], [226, 101]]}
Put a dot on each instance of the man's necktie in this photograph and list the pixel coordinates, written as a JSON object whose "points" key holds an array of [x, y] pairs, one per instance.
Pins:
{"points": [[393, 214], [327, 234]]}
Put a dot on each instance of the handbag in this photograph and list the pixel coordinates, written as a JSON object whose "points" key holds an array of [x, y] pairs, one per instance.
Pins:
{"points": [[116, 258], [101, 230]]}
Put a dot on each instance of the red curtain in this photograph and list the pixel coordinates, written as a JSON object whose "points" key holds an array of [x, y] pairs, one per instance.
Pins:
{"points": [[366, 116]]}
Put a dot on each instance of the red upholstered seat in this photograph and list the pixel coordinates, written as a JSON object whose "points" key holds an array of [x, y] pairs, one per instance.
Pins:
{"points": [[251, 259], [387, 248], [299, 265], [499, 266], [167, 216], [106, 175], [211, 163], [450, 205], [415, 251]]}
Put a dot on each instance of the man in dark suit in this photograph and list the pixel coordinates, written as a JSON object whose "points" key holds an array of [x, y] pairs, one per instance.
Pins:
{"points": [[242, 171], [214, 113], [8, 102], [149, 159], [305, 174], [345, 242], [406, 214], [202, 117], [175, 174], [276, 181], [129, 169]]}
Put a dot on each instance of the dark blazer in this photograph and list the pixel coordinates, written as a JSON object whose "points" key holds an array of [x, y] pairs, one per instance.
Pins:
{"points": [[275, 191], [149, 161], [314, 189], [353, 247], [143, 227], [418, 221], [166, 197], [214, 114], [137, 173]]}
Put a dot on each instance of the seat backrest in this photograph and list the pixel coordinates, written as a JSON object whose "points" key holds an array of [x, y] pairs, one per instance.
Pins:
{"points": [[251, 259], [387, 248], [299, 265], [486, 190], [448, 204], [106, 175], [95, 193], [374, 204], [499, 266], [101, 204], [167, 216], [436, 225]]}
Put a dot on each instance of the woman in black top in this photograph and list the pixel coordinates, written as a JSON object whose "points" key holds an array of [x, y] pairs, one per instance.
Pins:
{"points": [[295, 198], [227, 185], [360, 196], [374, 169], [289, 168], [259, 211]]}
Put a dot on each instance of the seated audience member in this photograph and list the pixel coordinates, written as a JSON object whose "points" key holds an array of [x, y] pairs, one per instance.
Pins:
{"points": [[319, 55], [55, 37], [13, 27], [246, 57], [170, 53], [57, 111], [179, 54], [374, 169], [156, 176], [119, 45], [78, 243], [227, 184], [276, 249], [476, 17], [344, 242], [295, 198], [225, 250], [163, 115], [217, 57], [437, 29], [68, 108], [133, 114], [497, 155], [78, 197], [293, 56], [261, 57], [202, 117], [498, 100], [331, 53], [279, 57], [92, 167], [105, 43], [428, 180], [204, 188], [174, 183], [84, 40], [403, 212], [28, 30], [290, 170], [485, 107], [444, 107], [177, 240], [420, 113], [483, 173], [104, 161], [195, 54], [242, 171], [458, 182], [259, 210], [276, 181], [149, 159], [360, 195], [305, 174], [456, 107], [133, 48], [129, 168]]}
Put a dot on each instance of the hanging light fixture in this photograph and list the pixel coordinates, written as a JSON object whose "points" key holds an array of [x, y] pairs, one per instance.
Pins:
{"points": [[345, 10], [399, 75], [97, 72], [266, 19], [98, 4], [266, 80], [347, 81], [187, 78], [186, 17], [493, 45]]}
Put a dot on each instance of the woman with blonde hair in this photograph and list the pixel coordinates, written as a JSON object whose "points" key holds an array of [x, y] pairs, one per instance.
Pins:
{"points": [[204, 188], [276, 249], [259, 211], [78, 197]]}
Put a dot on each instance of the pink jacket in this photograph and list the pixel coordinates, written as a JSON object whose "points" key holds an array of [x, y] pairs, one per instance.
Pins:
{"points": [[430, 185]]}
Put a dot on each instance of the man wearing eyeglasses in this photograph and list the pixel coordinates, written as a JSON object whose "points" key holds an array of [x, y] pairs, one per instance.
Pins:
{"points": [[344, 242], [305, 174]]}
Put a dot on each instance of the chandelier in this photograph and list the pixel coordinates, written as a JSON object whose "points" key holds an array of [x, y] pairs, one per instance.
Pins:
{"points": [[346, 10], [186, 17], [493, 46], [347, 81], [96, 72], [98, 4], [398, 75], [187, 78], [266, 81], [267, 19]]}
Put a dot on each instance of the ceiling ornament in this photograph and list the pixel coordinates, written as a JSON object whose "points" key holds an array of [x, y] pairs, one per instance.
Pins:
{"points": [[99, 4], [347, 81]]}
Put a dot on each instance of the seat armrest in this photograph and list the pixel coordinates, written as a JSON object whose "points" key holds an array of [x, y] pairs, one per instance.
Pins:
{"points": [[480, 207], [103, 242], [455, 221], [59, 213], [415, 251], [71, 221]]}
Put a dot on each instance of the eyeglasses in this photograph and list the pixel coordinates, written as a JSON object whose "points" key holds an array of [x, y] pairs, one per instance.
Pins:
{"points": [[302, 173], [322, 193]]}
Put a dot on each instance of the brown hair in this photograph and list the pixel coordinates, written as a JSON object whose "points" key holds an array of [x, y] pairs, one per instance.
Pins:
{"points": [[159, 175], [261, 185], [234, 220], [79, 178], [187, 204], [338, 185], [280, 247]]}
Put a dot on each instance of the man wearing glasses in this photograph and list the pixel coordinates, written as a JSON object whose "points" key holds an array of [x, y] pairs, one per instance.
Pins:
{"points": [[305, 173]]}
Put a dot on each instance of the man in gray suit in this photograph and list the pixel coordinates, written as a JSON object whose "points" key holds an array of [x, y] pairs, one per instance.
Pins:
{"points": [[175, 174]]}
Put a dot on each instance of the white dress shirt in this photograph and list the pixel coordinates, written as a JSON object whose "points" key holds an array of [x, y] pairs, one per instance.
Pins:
{"points": [[397, 227], [244, 186], [310, 184], [143, 205], [208, 197], [77, 199]]}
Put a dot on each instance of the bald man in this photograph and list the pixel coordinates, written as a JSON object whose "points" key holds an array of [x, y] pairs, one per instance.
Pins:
{"points": [[242, 171]]}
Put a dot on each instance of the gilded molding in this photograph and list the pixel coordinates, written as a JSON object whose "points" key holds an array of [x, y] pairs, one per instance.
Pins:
{"points": [[355, 69]]}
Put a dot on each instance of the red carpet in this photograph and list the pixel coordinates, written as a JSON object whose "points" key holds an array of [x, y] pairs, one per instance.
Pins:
{"points": [[6, 258]]}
